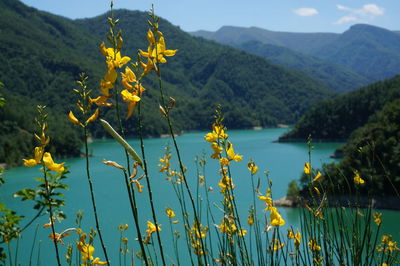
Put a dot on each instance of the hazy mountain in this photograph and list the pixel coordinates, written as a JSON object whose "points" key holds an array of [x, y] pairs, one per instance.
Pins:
{"points": [[274, 46], [370, 51], [334, 76], [301, 42]]}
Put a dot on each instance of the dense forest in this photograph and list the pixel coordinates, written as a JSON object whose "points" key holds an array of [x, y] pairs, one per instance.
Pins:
{"points": [[373, 151], [43, 54], [336, 119]]}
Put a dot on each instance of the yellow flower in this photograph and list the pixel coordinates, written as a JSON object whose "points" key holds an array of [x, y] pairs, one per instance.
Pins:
{"points": [[312, 244], [297, 240], [151, 228], [317, 177], [147, 67], [387, 244], [37, 158], [132, 99], [29, 162], [198, 230], [276, 219], [170, 213], [225, 183], [290, 234], [97, 261], [210, 137], [157, 48], [242, 232], [377, 218], [94, 116], [224, 161], [86, 251], [127, 78], [51, 165], [73, 119], [231, 153], [250, 220], [228, 226], [268, 200], [307, 168], [217, 150], [252, 167], [277, 245], [101, 101], [113, 58], [357, 179]]}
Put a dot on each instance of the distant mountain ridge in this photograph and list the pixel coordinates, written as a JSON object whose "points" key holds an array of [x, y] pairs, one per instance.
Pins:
{"points": [[370, 51], [301, 42], [332, 75]]}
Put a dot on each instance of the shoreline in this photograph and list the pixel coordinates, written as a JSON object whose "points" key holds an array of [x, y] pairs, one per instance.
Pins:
{"points": [[376, 203]]}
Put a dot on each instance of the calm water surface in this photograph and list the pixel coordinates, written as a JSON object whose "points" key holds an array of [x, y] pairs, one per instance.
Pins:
{"points": [[283, 161]]}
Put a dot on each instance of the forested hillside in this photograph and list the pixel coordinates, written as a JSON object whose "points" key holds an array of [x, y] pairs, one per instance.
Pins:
{"points": [[43, 54], [373, 151], [336, 119]]}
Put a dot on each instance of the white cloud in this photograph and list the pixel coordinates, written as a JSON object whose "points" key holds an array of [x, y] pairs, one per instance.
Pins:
{"points": [[347, 19], [371, 10], [306, 11], [366, 12]]}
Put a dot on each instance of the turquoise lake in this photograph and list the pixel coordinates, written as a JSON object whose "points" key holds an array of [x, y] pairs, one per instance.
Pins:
{"points": [[283, 161]]}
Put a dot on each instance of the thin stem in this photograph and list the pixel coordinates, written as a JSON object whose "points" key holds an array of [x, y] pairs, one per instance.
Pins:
{"points": [[150, 194], [132, 201], [33, 245], [51, 214], [92, 196]]}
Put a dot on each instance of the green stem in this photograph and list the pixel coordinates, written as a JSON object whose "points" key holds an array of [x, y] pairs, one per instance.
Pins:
{"points": [[150, 194], [33, 245], [51, 214], [92, 196], [132, 201]]}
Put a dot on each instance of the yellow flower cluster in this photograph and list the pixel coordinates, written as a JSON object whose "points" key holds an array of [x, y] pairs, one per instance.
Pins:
{"points": [[87, 251], [296, 238], [41, 157], [252, 167], [313, 245], [156, 49], [275, 217], [387, 244], [357, 178], [151, 228], [196, 233]]}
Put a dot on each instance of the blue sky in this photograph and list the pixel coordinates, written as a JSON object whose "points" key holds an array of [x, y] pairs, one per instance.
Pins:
{"points": [[277, 15]]}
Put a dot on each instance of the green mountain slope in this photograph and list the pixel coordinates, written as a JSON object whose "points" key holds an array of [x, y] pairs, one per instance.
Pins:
{"points": [[335, 77], [370, 51], [43, 54], [374, 151], [283, 48], [337, 118]]}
